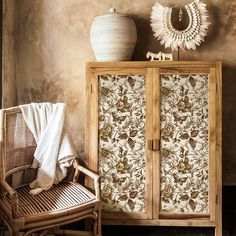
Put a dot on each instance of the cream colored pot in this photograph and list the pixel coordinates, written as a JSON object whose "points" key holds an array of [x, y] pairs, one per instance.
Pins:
{"points": [[113, 37]]}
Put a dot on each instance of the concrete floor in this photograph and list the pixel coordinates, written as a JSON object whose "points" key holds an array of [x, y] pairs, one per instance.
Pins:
{"points": [[155, 231]]}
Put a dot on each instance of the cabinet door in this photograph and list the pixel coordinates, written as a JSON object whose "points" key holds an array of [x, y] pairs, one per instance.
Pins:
{"points": [[187, 144], [120, 115]]}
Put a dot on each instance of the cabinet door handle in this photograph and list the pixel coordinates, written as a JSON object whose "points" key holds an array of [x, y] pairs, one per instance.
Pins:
{"points": [[149, 144], [156, 145], [153, 144]]}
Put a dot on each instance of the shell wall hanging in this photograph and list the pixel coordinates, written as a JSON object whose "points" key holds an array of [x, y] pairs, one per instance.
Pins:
{"points": [[171, 37]]}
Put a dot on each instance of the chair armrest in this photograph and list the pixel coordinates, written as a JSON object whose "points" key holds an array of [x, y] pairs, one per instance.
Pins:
{"points": [[7, 188], [13, 197], [95, 178], [89, 173]]}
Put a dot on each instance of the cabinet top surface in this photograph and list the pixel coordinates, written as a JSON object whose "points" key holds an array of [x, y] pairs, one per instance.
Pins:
{"points": [[155, 64]]}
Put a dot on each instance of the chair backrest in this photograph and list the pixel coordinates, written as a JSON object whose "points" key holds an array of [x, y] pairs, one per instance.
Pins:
{"points": [[17, 148]]}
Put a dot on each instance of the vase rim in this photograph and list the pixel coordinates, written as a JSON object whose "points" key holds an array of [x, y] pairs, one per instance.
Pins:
{"points": [[113, 14]]}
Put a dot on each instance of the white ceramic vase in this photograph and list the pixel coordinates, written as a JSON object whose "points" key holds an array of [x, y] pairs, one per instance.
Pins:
{"points": [[113, 37]]}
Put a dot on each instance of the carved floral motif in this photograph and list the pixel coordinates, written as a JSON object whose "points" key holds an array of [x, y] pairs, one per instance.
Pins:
{"points": [[184, 143], [122, 142]]}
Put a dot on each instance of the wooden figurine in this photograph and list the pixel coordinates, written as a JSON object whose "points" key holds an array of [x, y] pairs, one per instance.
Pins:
{"points": [[160, 56]]}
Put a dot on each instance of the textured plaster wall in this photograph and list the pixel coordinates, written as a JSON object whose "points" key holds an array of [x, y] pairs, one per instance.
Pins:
{"points": [[9, 97], [51, 46]]}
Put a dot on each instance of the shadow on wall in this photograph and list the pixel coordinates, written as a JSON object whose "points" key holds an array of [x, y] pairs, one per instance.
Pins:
{"points": [[214, 33], [145, 40], [229, 124]]}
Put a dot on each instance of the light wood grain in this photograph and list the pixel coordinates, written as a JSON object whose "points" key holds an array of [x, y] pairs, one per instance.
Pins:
{"points": [[87, 153], [151, 64], [149, 154], [117, 216], [183, 70], [118, 71], [93, 126], [212, 141], [218, 78], [87, 113], [186, 223], [156, 135], [181, 215]]}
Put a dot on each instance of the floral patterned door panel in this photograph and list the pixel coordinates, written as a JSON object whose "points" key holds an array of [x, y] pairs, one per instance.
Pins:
{"points": [[122, 154], [184, 143]]}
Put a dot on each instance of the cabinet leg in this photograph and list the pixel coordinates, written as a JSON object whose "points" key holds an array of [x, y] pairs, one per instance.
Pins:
{"points": [[218, 230]]}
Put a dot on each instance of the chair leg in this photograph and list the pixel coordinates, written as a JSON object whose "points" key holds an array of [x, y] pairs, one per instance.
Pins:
{"points": [[95, 228], [15, 233], [99, 224]]}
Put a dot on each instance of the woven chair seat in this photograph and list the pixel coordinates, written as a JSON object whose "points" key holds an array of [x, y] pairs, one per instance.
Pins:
{"points": [[54, 199]]}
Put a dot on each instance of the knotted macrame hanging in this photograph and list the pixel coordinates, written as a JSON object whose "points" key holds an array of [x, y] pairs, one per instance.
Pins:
{"points": [[188, 38]]}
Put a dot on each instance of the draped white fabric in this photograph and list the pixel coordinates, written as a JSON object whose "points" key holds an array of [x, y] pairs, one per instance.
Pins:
{"points": [[54, 152]]}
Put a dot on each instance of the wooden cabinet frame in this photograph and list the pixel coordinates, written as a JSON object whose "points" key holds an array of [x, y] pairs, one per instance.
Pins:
{"points": [[152, 71]]}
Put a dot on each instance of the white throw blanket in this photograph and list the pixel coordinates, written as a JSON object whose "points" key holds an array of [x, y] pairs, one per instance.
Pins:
{"points": [[54, 152]]}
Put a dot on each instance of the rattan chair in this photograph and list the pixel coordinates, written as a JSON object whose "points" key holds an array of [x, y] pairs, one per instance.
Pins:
{"points": [[63, 204]]}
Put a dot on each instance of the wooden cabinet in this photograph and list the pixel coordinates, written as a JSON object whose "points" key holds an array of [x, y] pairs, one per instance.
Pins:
{"points": [[153, 133]]}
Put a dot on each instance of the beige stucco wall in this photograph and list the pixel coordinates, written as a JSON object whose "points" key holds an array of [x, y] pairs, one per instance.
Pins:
{"points": [[9, 97], [51, 39]]}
